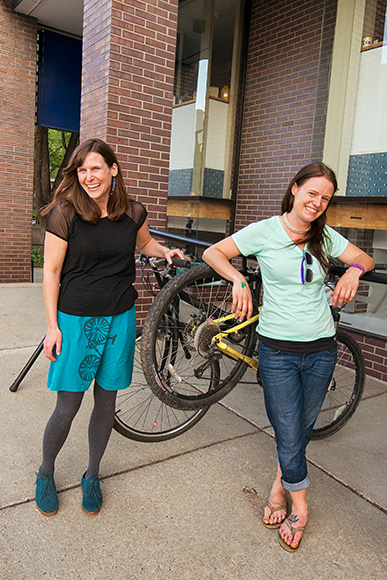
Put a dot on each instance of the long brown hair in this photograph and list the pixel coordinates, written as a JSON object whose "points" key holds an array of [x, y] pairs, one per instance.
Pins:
{"points": [[316, 235], [70, 193]]}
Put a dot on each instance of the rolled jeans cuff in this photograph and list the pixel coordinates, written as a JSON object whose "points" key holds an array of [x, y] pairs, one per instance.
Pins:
{"points": [[304, 484]]}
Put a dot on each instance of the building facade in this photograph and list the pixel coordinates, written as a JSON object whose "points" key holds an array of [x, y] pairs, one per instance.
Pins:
{"points": [[212, 106]]}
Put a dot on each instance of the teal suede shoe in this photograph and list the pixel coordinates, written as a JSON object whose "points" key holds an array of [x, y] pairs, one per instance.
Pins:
{"points": [[46, 497], [92, 496]]}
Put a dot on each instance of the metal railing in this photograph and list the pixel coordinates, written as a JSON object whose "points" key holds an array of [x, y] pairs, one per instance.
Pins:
{"points": [[336, 270]]}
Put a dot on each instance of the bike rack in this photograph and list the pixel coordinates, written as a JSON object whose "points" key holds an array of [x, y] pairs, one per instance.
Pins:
{"points": [[27, 367]]}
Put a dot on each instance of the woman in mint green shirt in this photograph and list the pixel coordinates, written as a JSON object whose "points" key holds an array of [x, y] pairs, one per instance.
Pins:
{"points": [[297, 344]]}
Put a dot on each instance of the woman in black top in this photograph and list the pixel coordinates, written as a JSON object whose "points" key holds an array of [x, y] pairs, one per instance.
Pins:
{"points": [[92, 231]]}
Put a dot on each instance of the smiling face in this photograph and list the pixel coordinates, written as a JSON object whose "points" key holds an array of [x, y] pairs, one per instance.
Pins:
{"points": [[311, 199], [95, 178]]}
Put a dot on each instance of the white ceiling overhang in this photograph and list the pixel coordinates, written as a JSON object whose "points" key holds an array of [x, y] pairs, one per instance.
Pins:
{"points": [[61, 15]]}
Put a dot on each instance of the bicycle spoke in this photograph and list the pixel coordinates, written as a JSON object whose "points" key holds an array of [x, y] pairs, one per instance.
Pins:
{"points": [[345, 390], [140, 415]]}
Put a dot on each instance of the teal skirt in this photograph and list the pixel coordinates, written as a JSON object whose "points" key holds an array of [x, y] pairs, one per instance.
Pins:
{"points": [[97, 347]]}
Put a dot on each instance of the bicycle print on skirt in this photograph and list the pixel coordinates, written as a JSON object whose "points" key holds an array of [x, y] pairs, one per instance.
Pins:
{"points": [[96, 347]]}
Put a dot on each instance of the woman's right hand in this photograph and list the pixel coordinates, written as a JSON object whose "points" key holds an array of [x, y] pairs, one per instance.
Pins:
{"points": [[218, 257], [53, 339], [242, 303], [54, 254]]}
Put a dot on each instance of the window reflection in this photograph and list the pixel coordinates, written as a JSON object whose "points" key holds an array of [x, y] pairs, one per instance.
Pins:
{"points": [[208, 60], [204, 98]]}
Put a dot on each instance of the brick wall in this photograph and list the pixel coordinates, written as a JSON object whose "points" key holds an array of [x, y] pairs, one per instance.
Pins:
{"points": [[17, 116], [375, 355], [95, 68], [280, 101], [127, 90], [322, 89]]}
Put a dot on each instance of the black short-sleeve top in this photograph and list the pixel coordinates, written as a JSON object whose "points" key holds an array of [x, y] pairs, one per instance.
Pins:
{"points": [[99, 267]]}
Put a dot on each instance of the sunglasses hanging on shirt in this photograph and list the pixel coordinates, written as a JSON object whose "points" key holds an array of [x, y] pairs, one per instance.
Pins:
{"points": [[306, 273]]}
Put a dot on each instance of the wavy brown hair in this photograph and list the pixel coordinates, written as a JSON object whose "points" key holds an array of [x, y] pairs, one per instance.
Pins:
{"points": [[71, 194], [316, 236]]}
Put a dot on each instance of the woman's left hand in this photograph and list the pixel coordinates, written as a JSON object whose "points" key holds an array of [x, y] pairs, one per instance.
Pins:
{"points": [[176, 253], [346, 287], [348, 284]]}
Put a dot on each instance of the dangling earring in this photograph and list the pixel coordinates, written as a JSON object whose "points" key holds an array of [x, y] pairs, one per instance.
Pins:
{"points": [[113, 186]]}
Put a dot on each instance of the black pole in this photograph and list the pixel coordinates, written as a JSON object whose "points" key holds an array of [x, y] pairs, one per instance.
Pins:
{"points": [[26, 367]]}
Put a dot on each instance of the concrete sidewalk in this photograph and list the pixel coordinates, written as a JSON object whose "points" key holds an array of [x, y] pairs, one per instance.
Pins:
{"points": [[189, 508]]}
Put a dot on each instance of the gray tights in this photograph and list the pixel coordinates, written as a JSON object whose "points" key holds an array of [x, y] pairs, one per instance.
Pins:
{"points": [[58, 427]]}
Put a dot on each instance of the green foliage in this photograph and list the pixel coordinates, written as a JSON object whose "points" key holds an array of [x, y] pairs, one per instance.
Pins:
{"points": [[57, 144], [37, 257]]}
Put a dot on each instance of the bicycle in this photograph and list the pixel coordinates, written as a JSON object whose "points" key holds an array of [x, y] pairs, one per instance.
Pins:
{"points": [[195, 352], [140, 415]]}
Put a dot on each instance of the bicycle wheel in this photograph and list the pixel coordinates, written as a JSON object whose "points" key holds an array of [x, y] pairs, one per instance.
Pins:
{"points": [[345, 390], [179, 362], [141, 416]]}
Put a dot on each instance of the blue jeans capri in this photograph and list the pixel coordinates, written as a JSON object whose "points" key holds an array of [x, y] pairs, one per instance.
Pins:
{"points": [[94, 347], [294, 386]]}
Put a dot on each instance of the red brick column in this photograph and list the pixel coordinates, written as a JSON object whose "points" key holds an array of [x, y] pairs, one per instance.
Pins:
{"points": [[280, 102], [17, 116], [127, 88]]}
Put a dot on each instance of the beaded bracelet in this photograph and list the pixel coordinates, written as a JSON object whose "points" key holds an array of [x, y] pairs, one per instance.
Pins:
{"points": [[359, 267]]}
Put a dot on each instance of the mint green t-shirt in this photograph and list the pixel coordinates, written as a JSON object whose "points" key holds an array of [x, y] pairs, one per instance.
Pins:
{"points": [[291, 311]]}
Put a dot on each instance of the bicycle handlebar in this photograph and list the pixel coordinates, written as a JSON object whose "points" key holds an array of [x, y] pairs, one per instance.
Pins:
{"points": [[155, 262], [178, 263]]}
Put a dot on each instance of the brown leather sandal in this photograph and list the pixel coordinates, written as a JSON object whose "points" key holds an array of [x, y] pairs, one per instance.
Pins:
{"points": [[282, 542], [273, 509]]}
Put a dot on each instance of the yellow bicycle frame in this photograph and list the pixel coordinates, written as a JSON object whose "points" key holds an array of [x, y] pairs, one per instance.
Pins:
{"points": [[228, 350]]}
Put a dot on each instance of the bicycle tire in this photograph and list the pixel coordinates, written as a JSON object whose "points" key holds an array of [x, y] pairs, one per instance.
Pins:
{"points": [[141, 416], [345, 390], [178, 362]]}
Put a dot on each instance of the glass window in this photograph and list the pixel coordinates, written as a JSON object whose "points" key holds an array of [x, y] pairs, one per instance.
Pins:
{"points": [[356, 146], [206, 79], [208, 59], [374, 32], [356, 133], [367, 167]]}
